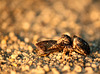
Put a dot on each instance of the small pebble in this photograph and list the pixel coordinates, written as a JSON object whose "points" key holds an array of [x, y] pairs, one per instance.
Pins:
{"points": [[61, 64], [94, 65], [46, 58], [25, 67], [30, 48], [66, 68], [99, 67], [26, 40], [6, 38], [71, 64], [75, 61], [15, 65], [40, 70], [77, 68], [3, 41], [39, 63], [35, 38], [22, 44], [72, 72], [30, 63], [13, 56], [81, 60], [79, 56], [64, 62], [1, 58], [8, 50], [50, 64], [73, 53], [25, 26], [11, 34], [46, 68], [13, 72], [14, 38], [87, 64], [89, 70], [99, 55], [88, 59], [80, 64], [58, 57], [75, 56], [54, 70], [59, 54], [11, 60]]}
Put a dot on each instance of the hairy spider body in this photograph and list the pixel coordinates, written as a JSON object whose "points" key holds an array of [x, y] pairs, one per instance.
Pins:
{"points": [[65, 43]]}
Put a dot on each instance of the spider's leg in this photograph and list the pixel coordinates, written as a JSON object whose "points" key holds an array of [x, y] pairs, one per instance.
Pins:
{"points": [[70, 51], [65, 50], [64, 53]]}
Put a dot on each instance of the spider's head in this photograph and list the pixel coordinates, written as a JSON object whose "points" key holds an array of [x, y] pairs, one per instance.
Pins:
{"points": [[65, 39]]}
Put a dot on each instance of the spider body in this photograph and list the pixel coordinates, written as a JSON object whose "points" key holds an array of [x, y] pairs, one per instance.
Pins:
{"points": [[65, 44]]}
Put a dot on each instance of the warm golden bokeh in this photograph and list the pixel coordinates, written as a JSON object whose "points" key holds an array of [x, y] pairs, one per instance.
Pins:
{"points": [[24, 22]]}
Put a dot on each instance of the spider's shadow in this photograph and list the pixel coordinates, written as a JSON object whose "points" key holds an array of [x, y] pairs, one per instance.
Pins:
{"points": [[95, 47]]}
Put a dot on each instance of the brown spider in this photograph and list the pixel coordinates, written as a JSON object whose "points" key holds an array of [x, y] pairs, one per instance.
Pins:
{"points": [[65, 43]]}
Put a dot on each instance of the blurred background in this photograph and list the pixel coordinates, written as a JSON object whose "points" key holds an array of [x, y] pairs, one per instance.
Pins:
{"points": [[24, 22], [50, 18]]}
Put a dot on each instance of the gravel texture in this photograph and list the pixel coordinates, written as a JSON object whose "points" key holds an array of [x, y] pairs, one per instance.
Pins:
{"points": [[23, 23]]}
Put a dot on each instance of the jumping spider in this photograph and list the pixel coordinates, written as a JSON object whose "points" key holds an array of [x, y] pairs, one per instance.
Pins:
{"points": [[65, 43]]}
